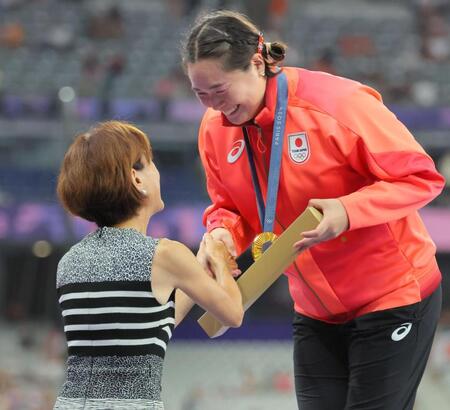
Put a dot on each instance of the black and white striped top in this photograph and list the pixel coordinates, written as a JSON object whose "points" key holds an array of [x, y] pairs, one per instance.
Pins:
{"points": [[120, 318], [117, 332]]}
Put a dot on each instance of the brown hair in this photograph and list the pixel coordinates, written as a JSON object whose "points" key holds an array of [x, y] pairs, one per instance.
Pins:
{"points": [[95, 177], [231, 37]]}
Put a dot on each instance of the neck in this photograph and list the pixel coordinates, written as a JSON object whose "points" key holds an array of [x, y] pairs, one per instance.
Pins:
{"points": [[138, 222], [262, 93]]}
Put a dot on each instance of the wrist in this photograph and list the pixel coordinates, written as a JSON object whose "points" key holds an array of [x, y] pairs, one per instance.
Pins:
{"points": [[218, 265]]}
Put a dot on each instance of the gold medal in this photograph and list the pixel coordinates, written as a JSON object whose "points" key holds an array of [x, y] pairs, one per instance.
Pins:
{"points": [[261, 243]]}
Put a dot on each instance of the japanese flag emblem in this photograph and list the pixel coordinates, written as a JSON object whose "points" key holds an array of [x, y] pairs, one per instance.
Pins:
{"points": [[299, 147]]}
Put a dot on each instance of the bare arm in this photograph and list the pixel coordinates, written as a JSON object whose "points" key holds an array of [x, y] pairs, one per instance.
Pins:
{"points": [[183, 305], [175, 266]]}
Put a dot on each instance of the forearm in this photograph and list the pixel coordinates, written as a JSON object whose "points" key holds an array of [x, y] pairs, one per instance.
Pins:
{"points": [[226, 281], [183, 305], [384, 201]]}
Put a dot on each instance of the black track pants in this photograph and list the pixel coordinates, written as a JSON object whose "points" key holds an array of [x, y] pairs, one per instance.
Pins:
{"points": [[374, 362]]}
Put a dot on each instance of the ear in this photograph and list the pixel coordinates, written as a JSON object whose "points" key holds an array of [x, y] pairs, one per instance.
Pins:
{"points": [[258, 61], [136, 179]]}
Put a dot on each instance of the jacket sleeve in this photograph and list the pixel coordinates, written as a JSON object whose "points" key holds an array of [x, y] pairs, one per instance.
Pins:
{"points": [[222, 213], [401, 177]]}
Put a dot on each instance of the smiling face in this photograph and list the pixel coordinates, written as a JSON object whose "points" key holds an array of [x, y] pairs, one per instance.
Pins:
{"points": [[238, 94]]}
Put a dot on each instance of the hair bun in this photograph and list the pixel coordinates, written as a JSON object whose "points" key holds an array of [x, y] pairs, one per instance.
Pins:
{"points": [[276, 51]]}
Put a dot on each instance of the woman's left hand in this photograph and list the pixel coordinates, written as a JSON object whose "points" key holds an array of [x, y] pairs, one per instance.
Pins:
{"points": [[333, 223]]}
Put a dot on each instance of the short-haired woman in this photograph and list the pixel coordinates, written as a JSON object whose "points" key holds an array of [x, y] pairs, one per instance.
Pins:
{"points": [[122, 292]]}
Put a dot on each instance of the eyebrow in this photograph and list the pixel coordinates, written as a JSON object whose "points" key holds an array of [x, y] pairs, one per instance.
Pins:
{"points": [[213, 87]]}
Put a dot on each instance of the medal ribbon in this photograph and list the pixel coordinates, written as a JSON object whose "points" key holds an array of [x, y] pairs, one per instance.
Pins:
{"points": [[267, 213]]}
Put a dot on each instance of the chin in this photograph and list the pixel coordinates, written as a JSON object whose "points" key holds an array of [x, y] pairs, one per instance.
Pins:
{"points": [[240, 120], [238, 123], [157, 208]]}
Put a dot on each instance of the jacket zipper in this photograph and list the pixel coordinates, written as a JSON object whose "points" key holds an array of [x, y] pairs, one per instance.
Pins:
{"points": [[266, 176]]}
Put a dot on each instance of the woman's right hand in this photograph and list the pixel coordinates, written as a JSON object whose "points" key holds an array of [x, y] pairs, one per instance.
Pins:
{"points": [[214, 251]]}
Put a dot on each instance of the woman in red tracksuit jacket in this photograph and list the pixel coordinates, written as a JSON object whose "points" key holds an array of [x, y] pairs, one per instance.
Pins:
{"points": [[365, 284]]}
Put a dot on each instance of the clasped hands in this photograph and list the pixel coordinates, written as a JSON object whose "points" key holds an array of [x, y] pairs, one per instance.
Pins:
{"points": [[334, 222], [214, 250]]}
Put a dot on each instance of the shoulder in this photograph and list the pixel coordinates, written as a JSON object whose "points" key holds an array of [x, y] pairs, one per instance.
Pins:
{"points": [[212, 116], [213, 123], [212, 120], [166, 246], [70, 261], [213, 135], [176, 263], [73, 254], [330, 95], [170, 255], [325, 90], [309, 81]]}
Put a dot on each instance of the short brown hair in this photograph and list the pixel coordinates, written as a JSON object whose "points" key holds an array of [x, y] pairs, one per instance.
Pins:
{"points": [[231, 37], [95, 177]]}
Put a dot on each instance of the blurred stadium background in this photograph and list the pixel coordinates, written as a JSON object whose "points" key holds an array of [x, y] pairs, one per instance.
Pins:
{"points": [[65, 64]]}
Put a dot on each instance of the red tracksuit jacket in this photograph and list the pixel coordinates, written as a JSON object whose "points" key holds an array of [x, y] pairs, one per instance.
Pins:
{"points": [[340, 142]]}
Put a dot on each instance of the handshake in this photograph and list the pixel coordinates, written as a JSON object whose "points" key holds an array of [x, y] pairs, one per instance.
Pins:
{"points": [[217, 253]]}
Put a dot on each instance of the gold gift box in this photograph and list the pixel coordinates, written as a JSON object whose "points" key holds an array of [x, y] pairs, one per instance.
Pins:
{"points": [[267, 269]]}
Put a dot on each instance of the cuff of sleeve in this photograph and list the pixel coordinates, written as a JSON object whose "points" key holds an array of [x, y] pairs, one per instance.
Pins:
{"points": [[353, 211], [233, 226], [214, 224]]}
